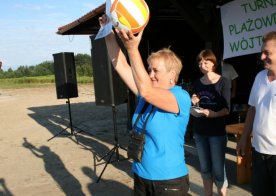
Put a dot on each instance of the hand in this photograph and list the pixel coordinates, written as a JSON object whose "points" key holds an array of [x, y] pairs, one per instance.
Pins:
{"points": [[195, 99], [26, 144], [103, 19], [241, 148], [129, 40], [206, 112]]}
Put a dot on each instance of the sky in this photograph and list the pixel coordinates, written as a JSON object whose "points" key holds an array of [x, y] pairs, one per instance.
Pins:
{"points": [[28, 30]]}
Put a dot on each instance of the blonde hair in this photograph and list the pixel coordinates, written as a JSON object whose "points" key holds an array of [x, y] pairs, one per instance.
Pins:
{"points": [[171, 60]]}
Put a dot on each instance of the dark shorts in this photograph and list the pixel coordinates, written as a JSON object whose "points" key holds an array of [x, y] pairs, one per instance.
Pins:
{"points": [[264, 174], [173, 187]]}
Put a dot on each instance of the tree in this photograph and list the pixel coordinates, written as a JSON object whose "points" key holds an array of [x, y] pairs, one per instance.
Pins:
{"points": [[83, 65]]}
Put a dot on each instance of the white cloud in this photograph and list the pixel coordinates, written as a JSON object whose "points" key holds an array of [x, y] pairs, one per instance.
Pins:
{"points": [[33, 7]]}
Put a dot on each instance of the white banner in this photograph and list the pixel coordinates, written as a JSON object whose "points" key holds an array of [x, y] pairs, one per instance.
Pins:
{"points": [[244, 23]]}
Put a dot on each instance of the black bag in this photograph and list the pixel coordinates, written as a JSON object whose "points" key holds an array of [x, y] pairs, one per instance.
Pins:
{"points": [[136, 146], [137, 140]]}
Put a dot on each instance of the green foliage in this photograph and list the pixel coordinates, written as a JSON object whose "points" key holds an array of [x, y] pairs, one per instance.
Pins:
{"points": [[82, 62], [26, 81], [83, 65], [43, 74], [84, 79], [36, 81]]}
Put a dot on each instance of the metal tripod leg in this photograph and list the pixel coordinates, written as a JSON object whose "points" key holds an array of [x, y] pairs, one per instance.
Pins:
{"points": [[82, 131], [111, 155], [59, 133], [115, 147], [73, 132]]}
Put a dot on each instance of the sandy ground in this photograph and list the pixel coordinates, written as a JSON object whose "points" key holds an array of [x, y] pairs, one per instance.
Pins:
{"points": [[31, 165], [69, 164]]}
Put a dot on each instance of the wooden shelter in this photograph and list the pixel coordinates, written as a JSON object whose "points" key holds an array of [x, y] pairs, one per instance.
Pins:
{"points": [[186, 27]]}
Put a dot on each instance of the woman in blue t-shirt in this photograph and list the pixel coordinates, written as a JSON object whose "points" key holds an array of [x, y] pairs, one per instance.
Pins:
{"points": [[162, 170]]}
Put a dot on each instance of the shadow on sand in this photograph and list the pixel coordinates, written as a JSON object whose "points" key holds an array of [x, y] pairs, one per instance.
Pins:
{"points": [[98, 130], [98, 123]]}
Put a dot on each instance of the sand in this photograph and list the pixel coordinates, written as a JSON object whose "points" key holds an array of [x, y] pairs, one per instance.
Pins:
{"points": [[67, 164], [30, 165]]}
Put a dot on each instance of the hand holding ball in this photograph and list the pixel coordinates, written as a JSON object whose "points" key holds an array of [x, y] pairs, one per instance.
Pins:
{"points": [[131, 15]]}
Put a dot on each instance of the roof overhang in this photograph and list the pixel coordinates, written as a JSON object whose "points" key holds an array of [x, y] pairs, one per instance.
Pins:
{"points": [[195, 13], [86, 25]]}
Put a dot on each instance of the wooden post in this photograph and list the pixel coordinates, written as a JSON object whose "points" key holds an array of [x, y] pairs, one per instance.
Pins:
{"points": [[244, 164]]}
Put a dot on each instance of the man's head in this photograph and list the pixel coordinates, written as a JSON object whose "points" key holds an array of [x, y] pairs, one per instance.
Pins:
{"points": [[268, 55]]}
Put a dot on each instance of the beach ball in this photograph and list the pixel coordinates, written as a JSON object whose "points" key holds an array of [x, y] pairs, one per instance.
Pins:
{"points": [[129, 14]]}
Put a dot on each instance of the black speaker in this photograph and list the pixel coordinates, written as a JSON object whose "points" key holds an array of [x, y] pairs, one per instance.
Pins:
{"points": [[65, 75], [109, 88]]}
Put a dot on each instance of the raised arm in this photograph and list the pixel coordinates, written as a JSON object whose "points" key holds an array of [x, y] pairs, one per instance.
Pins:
{"points": [[159, 96], [118, 59]]}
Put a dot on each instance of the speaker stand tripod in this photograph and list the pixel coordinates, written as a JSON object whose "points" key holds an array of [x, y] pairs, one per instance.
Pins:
{"points": [[115, 148], [71, 127]]}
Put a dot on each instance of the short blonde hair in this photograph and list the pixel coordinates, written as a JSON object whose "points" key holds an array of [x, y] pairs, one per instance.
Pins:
{"points": [[171, 60]]}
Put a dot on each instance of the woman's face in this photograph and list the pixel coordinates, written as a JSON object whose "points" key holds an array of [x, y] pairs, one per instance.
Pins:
{"points": [[158, 74], [206, 66]]}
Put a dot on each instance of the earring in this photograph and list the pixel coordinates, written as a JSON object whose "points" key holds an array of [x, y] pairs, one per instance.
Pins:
{"points": [[171, 81]]}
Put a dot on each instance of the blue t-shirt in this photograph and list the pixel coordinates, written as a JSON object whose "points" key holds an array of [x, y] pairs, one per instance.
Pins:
{"points": [[163, 156]]}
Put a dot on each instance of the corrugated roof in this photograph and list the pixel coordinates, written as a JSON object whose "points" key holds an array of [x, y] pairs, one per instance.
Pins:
{"points": [[85, 25]]}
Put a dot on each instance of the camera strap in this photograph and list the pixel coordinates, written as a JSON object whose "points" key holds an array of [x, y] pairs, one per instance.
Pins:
{"points": [[140, 115]]}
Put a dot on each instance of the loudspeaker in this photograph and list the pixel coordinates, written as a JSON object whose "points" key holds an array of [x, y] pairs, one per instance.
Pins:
{"points": [[65, 75], [109, 88]]}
